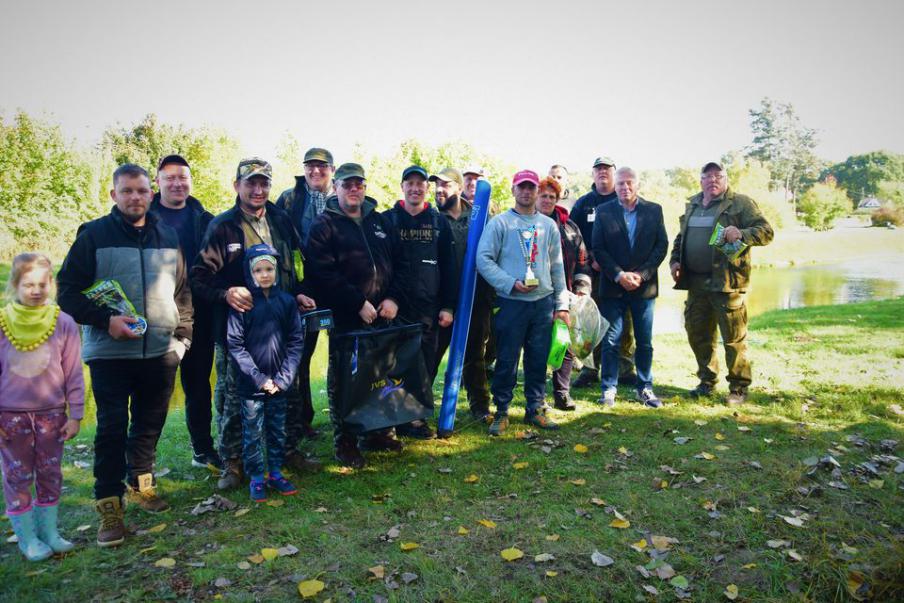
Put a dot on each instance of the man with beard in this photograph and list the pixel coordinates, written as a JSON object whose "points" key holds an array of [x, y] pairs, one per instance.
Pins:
{"points": [[218, 279], [132, 362], [448, 185]]}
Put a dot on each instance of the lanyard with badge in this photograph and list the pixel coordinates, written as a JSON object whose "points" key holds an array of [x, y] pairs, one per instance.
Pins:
{"points": [[529, 251]]}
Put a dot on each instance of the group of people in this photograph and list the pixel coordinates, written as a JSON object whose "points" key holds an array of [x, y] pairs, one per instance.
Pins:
{"points": [[235, 292]]}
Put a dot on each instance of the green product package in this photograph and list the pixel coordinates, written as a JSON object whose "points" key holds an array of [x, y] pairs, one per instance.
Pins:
{"points": [[732, 250], [109, 294], [558, 345]]}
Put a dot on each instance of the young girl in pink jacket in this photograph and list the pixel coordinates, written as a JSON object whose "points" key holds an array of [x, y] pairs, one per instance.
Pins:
{"points": [[40, 374]]}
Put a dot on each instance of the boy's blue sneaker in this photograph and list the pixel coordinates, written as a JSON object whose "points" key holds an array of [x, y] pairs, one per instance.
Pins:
{"points": [[258, 492], [282, 485]]}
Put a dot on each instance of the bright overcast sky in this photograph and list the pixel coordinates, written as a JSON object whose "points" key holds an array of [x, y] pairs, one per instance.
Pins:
{"points": [[653, 84]]}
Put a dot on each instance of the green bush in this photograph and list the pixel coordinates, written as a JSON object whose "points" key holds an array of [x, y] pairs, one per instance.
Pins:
{"points": [[887, 215], [821, 205]]}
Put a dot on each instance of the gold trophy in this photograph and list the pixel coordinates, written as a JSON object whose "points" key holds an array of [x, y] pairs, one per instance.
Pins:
{"points": [[530, 279]]}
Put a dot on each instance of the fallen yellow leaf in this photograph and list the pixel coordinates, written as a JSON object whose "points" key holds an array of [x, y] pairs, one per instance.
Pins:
{"points": [[578, 481], [462, 531], [147, 550], [409, 546], [269, 554], [471, 479], [599, 502], [622, 450], [580, 449], [552, 537], [621, 524], [310, 588], [256, 558], [731, 592], [511, 554], [639, 546], [662, 543], [487, 523], [551, 574], [241, 512], [378, 571], [157, 528], [748, 566], [275, 502], [707, 456], [521, 465], [719, 436], [753, 509], [167, 562]]}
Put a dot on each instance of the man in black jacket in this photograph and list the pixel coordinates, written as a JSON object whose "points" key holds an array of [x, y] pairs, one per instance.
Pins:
{"points": [[448, 188], [354, 268], [629, 243], [585, 213], [183, 213], [218, 279], [305, 202], [426, 240], [133, 364]]}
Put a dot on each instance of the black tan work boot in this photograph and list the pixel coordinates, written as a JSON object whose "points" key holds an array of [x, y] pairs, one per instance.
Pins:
{"points": [[232, 475], [112, 530], [145, 495]]}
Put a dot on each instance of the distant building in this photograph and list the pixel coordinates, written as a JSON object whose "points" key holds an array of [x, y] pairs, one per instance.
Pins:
{"points": [[869, 203]]}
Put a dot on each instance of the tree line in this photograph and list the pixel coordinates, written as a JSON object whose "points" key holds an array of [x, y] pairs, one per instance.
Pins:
{"points": [[48, 185]]}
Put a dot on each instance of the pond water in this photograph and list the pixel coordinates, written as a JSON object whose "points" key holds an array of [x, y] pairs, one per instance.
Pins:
{"points": [[852, 281]]}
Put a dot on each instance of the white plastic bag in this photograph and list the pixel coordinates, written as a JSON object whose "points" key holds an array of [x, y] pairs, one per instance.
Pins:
{"points": [[587, 327]]}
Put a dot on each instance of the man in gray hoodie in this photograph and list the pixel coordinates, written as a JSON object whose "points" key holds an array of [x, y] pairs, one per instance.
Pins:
{"points": [[520, 256]]}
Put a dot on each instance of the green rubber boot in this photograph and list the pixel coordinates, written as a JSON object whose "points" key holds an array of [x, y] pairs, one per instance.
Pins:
{"points": [[29, 544], [46, 526]]}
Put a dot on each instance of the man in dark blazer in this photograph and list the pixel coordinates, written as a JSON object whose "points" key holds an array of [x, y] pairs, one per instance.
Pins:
{"points": [[629, 244]]}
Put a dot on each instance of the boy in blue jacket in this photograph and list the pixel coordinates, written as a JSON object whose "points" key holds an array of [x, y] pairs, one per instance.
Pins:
{"points": [[266, 343]]}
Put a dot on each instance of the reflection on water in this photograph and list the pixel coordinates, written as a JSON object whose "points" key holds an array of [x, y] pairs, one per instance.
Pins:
{"points": [[783, 288]]}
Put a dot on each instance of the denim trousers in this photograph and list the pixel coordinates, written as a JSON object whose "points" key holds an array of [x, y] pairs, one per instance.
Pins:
{"points": [[263, 428], [522, 325], [613, 310]]}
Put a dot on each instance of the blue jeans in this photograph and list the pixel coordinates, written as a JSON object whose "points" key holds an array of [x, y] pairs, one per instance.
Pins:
{"points": [[263, 418], [613, 310], [521, 325]]}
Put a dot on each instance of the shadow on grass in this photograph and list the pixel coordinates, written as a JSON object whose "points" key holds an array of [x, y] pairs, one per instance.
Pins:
{"points": [[340, 519]]}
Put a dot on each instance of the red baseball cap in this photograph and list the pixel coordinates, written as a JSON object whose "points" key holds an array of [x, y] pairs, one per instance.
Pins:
{"points": [[526, 176]]}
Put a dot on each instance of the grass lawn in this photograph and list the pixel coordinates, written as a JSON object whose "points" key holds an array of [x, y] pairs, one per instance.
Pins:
{"points": [[829, 381]]}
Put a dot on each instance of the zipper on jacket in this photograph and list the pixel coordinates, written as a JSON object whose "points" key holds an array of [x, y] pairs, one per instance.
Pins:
{"points": [[144, 292], [373, 264]]}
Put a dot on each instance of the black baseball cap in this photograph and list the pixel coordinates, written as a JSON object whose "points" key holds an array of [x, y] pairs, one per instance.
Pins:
{"points": [[173, 159]]}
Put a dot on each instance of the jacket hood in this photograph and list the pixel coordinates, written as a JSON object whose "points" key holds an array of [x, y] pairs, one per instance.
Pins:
{"points": [[256, 251], [332, 205], [560, 214]]}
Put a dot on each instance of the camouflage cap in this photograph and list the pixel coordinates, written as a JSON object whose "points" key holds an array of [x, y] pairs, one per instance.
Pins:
{"points": [[253, 166], [448, 175], [349, 170], [316, 154], [603, 161]]}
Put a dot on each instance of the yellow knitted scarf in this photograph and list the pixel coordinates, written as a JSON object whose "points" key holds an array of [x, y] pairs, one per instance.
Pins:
{"points": [[27, 327]]}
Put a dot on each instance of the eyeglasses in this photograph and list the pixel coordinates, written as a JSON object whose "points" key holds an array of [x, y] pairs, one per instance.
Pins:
{"points": [[317, 165], [351, 184], [713, 177]]}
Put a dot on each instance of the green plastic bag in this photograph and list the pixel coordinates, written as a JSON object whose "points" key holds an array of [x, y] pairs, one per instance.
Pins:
{"points": [[558, 345]]}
